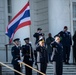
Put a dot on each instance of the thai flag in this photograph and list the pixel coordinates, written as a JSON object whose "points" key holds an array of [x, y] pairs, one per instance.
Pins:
{"points": [[20, 20]]}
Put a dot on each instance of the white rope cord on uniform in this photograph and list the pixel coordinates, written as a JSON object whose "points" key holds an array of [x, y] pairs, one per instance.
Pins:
{"points": [[33, 68], [11, 68]]}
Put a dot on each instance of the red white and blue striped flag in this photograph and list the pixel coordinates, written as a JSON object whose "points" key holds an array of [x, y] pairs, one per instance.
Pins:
{"points": [[21, 19]]}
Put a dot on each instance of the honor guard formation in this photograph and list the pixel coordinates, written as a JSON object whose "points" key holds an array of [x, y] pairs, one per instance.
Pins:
{"points": [[53, 50]]}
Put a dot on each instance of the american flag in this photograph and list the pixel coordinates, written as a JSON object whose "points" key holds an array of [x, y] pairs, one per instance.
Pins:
{"points": [[21, 19]]}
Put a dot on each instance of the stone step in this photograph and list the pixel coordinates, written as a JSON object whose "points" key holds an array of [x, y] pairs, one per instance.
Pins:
{"points": [[67, 70], [49, 73]]}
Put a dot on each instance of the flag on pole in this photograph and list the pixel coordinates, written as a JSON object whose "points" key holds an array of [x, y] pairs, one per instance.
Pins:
{"points": [[21, 19]]}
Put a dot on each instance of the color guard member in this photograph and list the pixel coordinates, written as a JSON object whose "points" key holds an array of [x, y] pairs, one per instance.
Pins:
{"points": [[15, 51], [27, 52]]}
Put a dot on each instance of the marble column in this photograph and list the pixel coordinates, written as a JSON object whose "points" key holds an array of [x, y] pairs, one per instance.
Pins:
{"points": [[59, 16]]}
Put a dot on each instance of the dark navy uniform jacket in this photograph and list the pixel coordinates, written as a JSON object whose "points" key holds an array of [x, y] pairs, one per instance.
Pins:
{"points": [[36, 35], [57, 58], [16, 54], [43, 54], [49, 40], [65, 38], [57, 52], [27, 52]]}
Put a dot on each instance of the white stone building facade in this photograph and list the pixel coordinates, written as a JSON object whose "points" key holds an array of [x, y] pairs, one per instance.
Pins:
{"points": [[50, 15]]}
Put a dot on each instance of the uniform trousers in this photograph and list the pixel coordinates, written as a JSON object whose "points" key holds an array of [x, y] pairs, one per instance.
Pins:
{"points": [[66, 53], [42, 67], [57, 68], [28, 71], [17, 67]]}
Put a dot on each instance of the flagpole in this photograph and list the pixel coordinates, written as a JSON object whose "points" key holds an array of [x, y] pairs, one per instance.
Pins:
{"points": [[30, 17]]}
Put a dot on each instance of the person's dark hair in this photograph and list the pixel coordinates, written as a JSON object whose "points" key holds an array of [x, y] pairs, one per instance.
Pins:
{"points": [[65, 27], [49, 34]]}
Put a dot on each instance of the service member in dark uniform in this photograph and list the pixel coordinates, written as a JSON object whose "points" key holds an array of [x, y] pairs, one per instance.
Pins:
{"points": [[37, 35], [57, 56], [15, 51], [48, 42], [27, 52], [41, 59], [66, 42]]}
